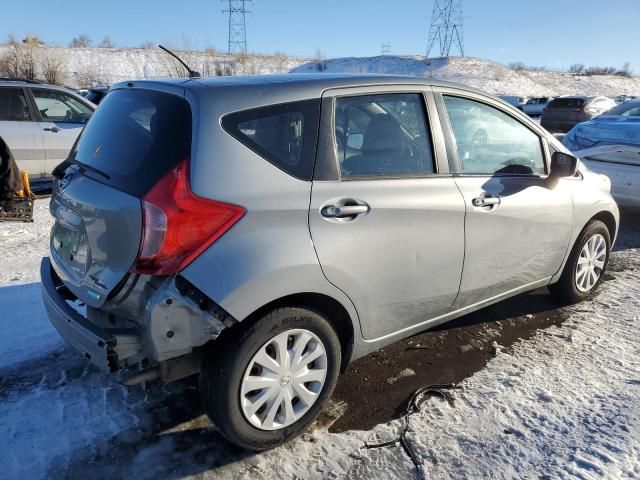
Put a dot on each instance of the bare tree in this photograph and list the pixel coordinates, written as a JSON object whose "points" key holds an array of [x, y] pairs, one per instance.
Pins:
{"points": [[81, 41], [577, 68], [106, 43], [148, 45], [11, 62], [625, 71], [20, 59], [52, 65]]}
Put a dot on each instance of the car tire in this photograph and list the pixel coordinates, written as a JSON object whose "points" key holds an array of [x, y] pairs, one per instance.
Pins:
{"points": [[590, 254], [231, 369]]}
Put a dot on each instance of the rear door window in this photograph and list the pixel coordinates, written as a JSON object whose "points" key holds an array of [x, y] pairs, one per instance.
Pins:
{"points": [[58, 107], [13, 105], [490, 142], [135, 137], [383, 135], [284, 134]]}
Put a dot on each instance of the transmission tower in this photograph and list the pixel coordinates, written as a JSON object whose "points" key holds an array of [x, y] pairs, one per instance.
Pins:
{"points": [[385, 49], [237, 25], [446, 27]]}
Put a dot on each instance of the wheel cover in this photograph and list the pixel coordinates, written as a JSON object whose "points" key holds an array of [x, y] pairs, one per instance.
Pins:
{"points": [[283, 379], [591, 261]]}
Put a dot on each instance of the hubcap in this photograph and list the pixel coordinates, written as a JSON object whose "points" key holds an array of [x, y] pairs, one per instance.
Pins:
{"points": [[283, 379], [591, 263]]}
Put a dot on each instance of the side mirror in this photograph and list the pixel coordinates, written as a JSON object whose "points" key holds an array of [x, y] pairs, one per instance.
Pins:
{"points": [[563, 165]]}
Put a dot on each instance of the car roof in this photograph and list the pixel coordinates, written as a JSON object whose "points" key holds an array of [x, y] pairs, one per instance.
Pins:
{"points": [[4, 82], [309, 82]]}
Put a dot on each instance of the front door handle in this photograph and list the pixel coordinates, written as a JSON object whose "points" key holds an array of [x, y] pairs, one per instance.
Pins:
{"points": [[485, 201], [334, 211], [52, 129]]}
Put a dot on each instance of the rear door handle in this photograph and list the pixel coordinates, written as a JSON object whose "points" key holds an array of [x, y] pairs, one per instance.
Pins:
{"points": [[485, 201], [52, 129], [333, 211]]}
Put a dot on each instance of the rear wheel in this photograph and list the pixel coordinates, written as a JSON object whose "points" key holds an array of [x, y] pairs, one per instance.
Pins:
{"points": [[270, 381], [586, 265]]}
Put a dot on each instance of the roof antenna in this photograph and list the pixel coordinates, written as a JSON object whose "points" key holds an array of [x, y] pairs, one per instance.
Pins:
{"points": [[192, 73]]}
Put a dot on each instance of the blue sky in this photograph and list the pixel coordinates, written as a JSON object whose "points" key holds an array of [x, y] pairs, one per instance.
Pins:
{"points": [[554, 33]]}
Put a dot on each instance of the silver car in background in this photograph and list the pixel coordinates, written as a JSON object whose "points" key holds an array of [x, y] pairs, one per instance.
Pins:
{"points": [[40, 123], [265, 231], [535, 106]]}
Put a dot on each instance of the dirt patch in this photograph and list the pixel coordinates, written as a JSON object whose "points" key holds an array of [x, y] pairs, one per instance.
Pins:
{"points": [[447, 354]]}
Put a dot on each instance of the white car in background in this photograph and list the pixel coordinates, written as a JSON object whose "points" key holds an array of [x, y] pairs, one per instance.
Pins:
{"points": [[621, 163], [514, 100], [40, 123]]}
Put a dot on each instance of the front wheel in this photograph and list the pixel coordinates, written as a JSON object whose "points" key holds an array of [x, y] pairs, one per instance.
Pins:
{"points": [[270, 381], [586, 266]]}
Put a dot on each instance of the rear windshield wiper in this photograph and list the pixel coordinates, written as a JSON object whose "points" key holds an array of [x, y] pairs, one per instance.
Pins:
{"points": [[60, 169]]}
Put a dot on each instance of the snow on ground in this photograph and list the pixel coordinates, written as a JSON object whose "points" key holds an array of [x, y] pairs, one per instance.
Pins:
{"points": [[22, 245], [564, 404]]}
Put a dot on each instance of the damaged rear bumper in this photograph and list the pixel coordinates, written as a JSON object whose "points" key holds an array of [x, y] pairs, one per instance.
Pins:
{"points": [[93, 342], [169, 320]]}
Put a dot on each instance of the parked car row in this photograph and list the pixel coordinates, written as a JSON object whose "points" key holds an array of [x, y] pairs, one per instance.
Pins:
{"points": [[604, 132], [40, 123], [610, 144]]}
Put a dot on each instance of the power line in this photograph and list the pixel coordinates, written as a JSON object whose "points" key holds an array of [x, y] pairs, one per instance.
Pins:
{"points": [[446, 27], [237, 25]]}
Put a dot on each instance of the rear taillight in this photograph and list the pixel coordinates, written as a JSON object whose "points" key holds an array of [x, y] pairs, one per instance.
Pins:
{"points": [[178, 225]]}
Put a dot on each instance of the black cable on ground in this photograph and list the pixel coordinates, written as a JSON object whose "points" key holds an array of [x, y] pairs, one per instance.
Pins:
{"points": [[416, 401]]}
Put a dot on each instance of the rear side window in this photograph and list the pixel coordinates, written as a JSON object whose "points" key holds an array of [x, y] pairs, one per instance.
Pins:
{"points": [[567, 103], [284, 134], [13, 105], [136, 137], [382, 135]]}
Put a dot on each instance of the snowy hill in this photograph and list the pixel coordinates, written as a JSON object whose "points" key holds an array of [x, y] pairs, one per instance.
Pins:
{"points": [[81, 67], [485, 75]]}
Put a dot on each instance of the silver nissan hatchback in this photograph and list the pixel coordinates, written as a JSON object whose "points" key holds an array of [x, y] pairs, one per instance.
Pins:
{"points": [[263, 232]]}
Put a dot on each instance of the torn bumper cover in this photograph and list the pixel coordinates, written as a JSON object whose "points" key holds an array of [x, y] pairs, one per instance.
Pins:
{"points": [[170, 319], [93, 342]]}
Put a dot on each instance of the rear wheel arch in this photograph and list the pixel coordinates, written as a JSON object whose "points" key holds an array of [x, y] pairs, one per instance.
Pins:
{"points": [[328, 307]]}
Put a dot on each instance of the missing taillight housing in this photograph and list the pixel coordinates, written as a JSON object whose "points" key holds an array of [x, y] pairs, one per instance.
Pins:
{"points": [[179, 225]]}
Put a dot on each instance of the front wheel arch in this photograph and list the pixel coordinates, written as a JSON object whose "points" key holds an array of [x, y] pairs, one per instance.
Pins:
{"points": [[608, 219]]}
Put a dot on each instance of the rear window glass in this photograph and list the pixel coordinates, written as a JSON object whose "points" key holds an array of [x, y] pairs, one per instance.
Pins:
{"points": [[567, 103], [284, 134], [135, 137], [13, 105]]}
